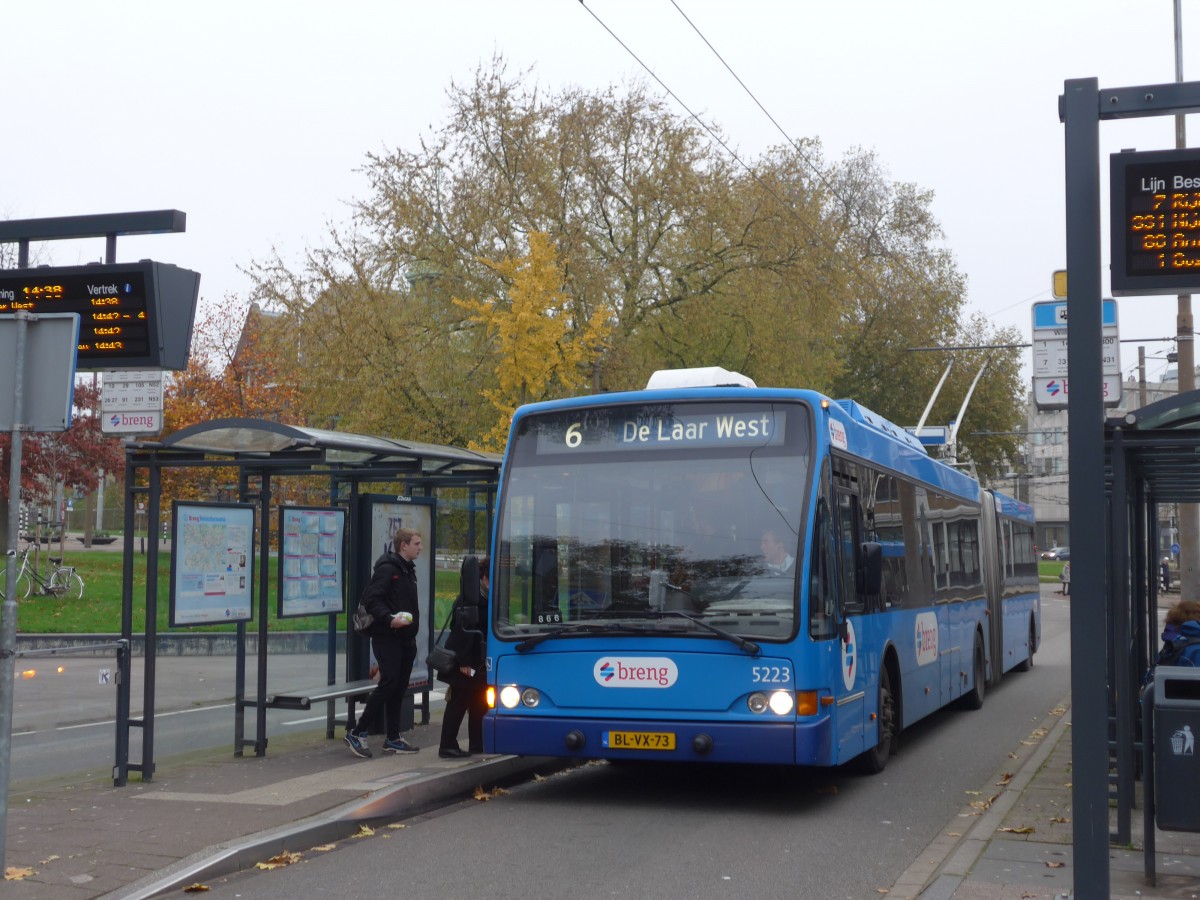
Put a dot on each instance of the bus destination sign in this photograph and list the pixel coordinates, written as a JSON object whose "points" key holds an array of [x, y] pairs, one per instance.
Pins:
{"points": [[120, 325], [660, 427], [1155, 222]]}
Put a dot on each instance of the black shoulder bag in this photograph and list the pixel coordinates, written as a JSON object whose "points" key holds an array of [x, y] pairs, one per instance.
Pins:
{"points": [[440, 659]]}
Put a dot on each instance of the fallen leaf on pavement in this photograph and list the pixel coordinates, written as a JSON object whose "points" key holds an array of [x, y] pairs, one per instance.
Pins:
{"points": [[1018, 829], [1005, 779], [1051, 864], [324, 847], [196, 888], [481, 794], [364, 831], [278, 862], [18, 873]]}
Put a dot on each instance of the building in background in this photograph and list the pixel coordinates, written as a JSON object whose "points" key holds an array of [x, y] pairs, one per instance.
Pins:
{"points": [[1040, 474]]}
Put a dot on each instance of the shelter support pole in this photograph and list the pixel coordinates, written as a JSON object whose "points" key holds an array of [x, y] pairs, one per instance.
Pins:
{"points": [[264, 601], [1085, 419], [149, 667], [1124, 692], [125, 666]]}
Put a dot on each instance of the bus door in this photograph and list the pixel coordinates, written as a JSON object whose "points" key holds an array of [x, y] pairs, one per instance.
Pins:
{"points": [[854, 700]]}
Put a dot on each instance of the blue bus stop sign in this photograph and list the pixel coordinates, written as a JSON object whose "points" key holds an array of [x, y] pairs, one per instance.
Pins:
{"points": [[1174, 549]]}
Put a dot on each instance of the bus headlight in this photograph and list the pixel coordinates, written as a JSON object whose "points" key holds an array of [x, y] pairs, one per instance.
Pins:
{"points": [[510, 696], [757, 702], [531, 697], [782, 703]]}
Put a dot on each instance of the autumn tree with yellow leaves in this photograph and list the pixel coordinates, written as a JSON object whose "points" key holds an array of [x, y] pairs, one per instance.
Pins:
{"points": [[537, 345]]}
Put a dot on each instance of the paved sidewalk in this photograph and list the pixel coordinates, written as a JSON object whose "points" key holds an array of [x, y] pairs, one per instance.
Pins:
{"points": [[211, 813], [1014, 840]]}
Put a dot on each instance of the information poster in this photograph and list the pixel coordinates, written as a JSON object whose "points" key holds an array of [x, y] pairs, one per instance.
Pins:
{"points": [[415, 514], [212, 563], [310, 561]]}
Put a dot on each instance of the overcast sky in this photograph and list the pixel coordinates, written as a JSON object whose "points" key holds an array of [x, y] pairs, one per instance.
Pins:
{"points": [[254, 117]]}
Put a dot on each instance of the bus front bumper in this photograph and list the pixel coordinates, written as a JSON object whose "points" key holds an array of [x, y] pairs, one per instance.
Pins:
{"points": [[792, 742]]}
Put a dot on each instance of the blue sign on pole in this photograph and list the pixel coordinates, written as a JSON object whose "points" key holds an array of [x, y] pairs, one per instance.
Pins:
{"points": [[1174, 549]]}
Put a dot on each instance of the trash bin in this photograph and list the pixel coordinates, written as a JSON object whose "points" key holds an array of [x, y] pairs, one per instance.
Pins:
{"points": [[1176, 762]]}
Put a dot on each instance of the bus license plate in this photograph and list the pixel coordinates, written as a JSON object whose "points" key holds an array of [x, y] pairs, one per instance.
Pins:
{"points": [[641, 740]]}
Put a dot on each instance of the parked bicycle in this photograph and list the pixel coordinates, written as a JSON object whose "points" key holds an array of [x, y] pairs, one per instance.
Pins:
{"points": [[63, 581]]}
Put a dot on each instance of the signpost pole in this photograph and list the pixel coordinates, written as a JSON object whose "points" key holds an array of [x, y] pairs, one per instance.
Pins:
{"points": [[8, 617]]}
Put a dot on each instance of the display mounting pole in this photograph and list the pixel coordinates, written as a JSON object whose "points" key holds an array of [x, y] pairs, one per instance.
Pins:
{"points": [[8, 615]]}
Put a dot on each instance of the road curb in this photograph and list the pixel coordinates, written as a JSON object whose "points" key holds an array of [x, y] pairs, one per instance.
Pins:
{"points": [[946, 862], [435, 789]]}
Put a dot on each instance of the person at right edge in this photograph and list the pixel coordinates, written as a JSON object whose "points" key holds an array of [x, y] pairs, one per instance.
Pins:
{"points": [[391, 597], [468, 682]]}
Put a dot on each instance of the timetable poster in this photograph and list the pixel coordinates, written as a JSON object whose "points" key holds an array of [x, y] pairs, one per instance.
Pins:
{"points": [[212, 563], [310, 561]]}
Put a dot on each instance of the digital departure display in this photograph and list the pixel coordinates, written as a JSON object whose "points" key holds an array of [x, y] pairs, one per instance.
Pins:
{"points": [[131, 315], [1155, 222]]}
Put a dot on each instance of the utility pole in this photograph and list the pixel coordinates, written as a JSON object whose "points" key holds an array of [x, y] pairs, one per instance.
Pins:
{"points": [[1189, 513]]}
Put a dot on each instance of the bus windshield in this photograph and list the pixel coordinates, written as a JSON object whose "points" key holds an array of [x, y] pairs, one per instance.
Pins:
{"points": [[644, 517]]}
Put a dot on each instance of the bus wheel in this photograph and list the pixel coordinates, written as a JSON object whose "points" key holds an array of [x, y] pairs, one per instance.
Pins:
{"points": [[1027, 663], [875, 760], [973, 699]]}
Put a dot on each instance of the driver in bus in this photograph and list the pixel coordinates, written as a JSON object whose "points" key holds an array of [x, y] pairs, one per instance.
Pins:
{"points": [[779, 561]]}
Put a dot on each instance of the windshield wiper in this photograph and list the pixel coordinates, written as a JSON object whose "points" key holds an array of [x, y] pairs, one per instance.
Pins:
{"points": [[749, 646], [578, 628]]}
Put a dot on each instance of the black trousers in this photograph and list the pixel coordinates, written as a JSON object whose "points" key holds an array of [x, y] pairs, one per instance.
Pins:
{"points": [[395, 660], [467, 695]]}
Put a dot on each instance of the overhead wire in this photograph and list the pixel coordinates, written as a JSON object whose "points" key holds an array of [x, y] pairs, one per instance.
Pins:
{"points": [[861, 276], [799, 150]]}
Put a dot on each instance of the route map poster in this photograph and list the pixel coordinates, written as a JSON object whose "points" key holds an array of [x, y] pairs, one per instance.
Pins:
{"points": [[212, 563], [310, 561]]}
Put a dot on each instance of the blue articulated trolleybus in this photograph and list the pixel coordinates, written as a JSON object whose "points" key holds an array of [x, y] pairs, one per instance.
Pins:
{"points": [[642, 608]]}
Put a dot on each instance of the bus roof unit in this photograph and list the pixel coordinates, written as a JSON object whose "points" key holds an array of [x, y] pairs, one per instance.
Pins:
{"points": [[705, 376]]}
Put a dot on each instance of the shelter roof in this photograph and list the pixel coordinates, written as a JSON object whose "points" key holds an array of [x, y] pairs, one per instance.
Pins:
{"points": [[1161, 443], [255, 439]]}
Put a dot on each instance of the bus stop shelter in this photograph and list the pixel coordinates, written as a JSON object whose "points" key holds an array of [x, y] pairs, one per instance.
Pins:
{"points": [[1152, 458], [253, 463]]}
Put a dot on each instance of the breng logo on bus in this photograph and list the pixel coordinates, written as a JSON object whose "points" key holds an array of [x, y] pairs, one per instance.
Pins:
{"points": [[637, 671], [926, 638]]}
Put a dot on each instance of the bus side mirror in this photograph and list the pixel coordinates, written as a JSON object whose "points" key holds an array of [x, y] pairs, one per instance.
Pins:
{"points": [[870, 571]]}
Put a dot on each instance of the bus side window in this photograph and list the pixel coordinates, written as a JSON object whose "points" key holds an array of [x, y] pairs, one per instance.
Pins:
{"points": [[849, 538], [822, 588]]}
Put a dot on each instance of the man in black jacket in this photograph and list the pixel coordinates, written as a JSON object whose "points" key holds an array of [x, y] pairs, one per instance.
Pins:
{"points": [[391, 597]]}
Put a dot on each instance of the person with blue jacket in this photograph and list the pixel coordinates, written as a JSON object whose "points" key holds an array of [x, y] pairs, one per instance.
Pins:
{"points": [[1181, 635]]}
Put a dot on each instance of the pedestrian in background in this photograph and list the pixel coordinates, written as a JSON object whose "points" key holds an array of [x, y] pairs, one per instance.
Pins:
{"points": [[468, 682], [391, 598], [1165, 571], [1065, 577]]}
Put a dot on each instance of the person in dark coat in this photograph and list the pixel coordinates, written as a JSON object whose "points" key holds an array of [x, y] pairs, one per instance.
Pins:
{"points": [[468, 682], [391, 597]]}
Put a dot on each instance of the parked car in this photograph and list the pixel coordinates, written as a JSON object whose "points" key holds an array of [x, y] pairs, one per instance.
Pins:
{"points": [[1061, 554]]}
